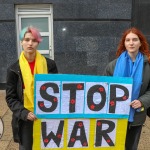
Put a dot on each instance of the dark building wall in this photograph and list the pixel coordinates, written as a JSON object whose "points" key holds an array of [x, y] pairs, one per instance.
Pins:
{"points": [[142, 17], [93, 29]]}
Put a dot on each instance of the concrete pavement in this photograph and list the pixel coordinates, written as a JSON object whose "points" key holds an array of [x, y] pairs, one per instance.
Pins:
{"points": [[6, 142]]}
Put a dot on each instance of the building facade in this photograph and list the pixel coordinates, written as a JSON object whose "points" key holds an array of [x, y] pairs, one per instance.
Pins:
{"points": [[80, 35]]}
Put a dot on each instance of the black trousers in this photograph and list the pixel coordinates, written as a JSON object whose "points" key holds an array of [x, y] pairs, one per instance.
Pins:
{"points": [[26, 134], [132, 137]]}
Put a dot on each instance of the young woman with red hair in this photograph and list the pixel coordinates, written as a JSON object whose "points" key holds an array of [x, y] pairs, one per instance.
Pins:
{"points": [[133, 60]]}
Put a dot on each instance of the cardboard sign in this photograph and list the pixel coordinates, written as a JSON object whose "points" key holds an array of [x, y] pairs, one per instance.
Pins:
{"points": [[81, 111]]}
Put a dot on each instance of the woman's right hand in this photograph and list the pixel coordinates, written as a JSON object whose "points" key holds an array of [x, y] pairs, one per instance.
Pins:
{"points": [[31, 116]]}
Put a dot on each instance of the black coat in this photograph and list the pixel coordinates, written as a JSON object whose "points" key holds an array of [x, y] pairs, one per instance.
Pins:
{"points": [[14, 95]]}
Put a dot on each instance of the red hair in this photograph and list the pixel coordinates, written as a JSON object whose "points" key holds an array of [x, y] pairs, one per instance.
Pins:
{"points": [[144, 48]]}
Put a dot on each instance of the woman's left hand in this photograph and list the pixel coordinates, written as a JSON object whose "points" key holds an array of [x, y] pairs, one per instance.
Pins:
{"points": [[136, 104]]}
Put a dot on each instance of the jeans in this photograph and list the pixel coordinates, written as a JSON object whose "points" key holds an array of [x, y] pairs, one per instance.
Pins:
{"points": [[132, 137], [26, 134]]}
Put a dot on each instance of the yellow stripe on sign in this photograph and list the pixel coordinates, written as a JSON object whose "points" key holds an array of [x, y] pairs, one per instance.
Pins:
{"points": [[37, 135]]}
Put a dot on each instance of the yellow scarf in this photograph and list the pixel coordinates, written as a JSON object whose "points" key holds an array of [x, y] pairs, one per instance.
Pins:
{"points": [[28, 79]]}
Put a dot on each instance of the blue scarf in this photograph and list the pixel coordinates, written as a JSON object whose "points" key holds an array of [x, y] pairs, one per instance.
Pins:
{"points": [[126, 68]]}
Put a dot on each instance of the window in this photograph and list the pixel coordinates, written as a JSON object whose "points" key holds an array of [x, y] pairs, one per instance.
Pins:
{"points": [[41, 17]]}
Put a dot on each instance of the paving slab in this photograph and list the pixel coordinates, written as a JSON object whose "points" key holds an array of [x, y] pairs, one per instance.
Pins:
{"points": [[4, 145]]}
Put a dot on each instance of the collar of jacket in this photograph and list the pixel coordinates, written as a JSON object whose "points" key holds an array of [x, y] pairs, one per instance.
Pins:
{"points": [[16, 68]]}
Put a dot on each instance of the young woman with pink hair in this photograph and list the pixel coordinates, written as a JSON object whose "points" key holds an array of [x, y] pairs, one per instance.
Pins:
{"points": [[20, 86]]}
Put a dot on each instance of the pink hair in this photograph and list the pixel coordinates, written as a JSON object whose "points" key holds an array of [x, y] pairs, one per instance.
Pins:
{"points": [[34, 31]]}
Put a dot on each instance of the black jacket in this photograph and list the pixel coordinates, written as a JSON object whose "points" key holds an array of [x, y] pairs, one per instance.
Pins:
{"points": [[14, 95]]}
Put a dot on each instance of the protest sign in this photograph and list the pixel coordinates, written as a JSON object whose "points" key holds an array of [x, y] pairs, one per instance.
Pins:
{"points": [[81, 111]]}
